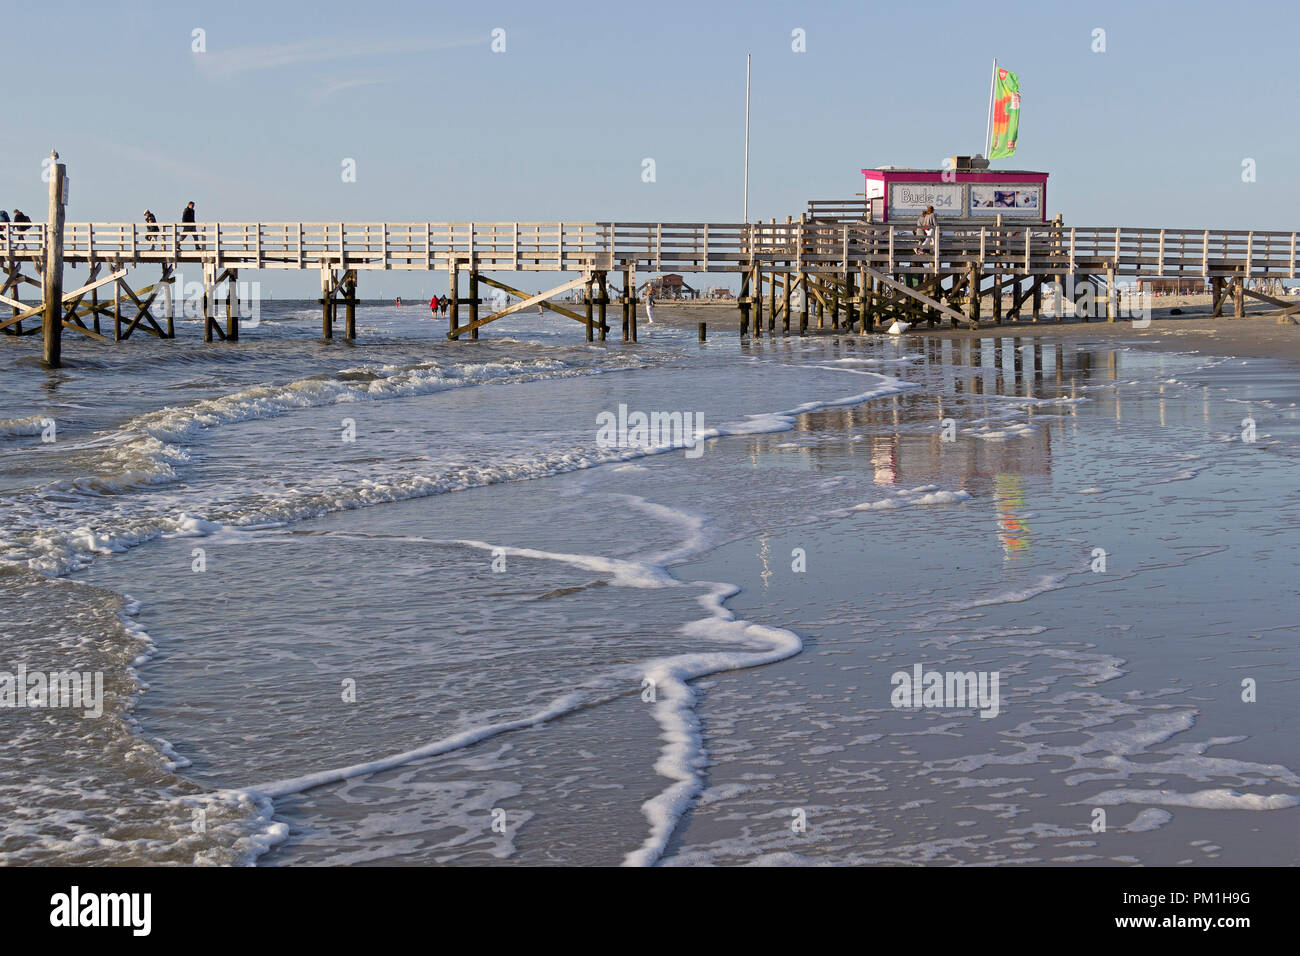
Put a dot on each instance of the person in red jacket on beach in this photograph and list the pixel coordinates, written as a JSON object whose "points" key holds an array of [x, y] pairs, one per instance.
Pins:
{"points": [[433, 306]]}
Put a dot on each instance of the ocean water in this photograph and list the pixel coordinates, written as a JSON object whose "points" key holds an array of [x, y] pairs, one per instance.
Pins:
{"points": [[397, 603]]}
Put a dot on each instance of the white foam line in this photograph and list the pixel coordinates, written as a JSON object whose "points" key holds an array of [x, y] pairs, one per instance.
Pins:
{"points": [[561, 705], [683, 756]]}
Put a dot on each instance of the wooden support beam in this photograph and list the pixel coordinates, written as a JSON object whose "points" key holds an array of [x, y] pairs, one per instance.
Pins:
{"points": [[528, 303], [519, 293], [143, 314], [923, 299]]}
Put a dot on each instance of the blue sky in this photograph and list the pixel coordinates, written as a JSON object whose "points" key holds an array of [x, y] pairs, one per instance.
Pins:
{"points": [[1152, 132]]}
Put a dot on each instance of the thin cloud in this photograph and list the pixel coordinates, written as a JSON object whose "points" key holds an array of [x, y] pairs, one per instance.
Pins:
{"points": [[246, 59], [178, 170], [325, 92]]}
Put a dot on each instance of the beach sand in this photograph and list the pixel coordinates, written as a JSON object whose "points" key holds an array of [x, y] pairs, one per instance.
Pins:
{"points": [[1255, 336]]}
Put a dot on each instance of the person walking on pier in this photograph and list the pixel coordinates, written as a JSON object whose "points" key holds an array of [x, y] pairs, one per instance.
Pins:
{"points": [[151, 227], [20, 217], [187, 216], [927, 228]]}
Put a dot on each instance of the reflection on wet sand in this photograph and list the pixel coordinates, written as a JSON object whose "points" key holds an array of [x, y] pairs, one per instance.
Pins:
{"points": [[1006, 399]]}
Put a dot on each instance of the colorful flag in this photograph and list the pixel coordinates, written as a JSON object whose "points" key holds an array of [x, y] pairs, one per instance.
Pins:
{"points": [[1006, 115]]}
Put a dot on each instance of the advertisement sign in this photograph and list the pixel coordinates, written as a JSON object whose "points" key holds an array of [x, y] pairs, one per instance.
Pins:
{"points": [[1012, 199], [910, 199]]}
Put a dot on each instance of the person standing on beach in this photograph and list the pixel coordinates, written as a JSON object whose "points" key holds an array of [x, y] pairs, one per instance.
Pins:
{"points": [[187, 216], [927, 226]]}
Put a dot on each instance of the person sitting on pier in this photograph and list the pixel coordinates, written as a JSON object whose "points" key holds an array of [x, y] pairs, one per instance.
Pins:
{"points": [[187, 216], [926, 227]]}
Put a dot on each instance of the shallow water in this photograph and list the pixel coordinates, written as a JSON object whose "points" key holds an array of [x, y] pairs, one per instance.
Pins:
{"points": [[394, 603]]}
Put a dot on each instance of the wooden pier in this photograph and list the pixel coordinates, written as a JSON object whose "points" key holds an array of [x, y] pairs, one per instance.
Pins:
{"points": [[857, 275]]}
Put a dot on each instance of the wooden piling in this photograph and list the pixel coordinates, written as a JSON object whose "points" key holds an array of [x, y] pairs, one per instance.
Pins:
{"points": [[973, 290], [1239, 298], [232, 306], [771, 301], [473, 301], [704, 331], [1112, 301], [785, 305], [326, 306], [630, 286], [168, 302], [586, 298], [623, 302], [803, 303], [744, 303], [453, 293], [52, 285], [849, 311], [602, 282], [350, 306], [758, 301]]}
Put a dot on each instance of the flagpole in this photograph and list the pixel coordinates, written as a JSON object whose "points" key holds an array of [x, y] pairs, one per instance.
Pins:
{"points": [[988, 127], [745, 217]]}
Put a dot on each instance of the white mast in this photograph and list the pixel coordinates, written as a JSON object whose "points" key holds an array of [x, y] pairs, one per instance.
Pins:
{"points": [[988, 127], [745, 215]]}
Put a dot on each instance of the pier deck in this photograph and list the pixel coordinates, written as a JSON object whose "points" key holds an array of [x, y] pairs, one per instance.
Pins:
{"points": [[870, 271]]}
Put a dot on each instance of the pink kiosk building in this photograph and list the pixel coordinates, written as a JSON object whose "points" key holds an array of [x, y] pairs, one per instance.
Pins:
{"points": [[962, 194]]}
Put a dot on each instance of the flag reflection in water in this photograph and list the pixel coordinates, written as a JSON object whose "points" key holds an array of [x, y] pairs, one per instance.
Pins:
{"points": [[1013, 529]]}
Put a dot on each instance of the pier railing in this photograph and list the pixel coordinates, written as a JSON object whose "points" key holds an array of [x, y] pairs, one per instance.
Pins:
{"points": [[809, 246]]}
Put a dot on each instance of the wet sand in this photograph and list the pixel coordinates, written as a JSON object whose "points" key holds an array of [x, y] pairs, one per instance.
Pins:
{"points": [[1255, 336]]}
